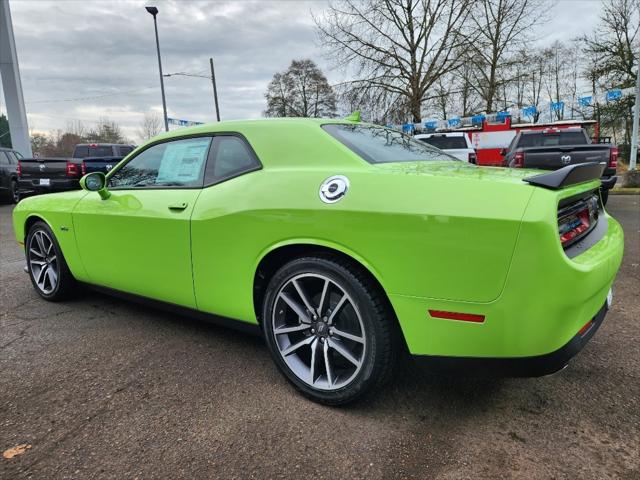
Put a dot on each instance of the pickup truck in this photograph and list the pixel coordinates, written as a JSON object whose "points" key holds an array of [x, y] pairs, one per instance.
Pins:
{"points": [[48, 175], [9, 175], [456, 144], [552, 149]]}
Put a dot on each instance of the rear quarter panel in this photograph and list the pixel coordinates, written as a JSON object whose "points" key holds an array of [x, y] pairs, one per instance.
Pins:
{"points": [[440, 237]]}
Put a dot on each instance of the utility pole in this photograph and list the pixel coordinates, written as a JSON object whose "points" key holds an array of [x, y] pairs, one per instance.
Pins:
{"points": [[633, 158], [154, 11], [215, 90]]}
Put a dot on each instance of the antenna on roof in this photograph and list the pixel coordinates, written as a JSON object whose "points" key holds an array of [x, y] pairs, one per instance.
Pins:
{"points": [[354, 117]]}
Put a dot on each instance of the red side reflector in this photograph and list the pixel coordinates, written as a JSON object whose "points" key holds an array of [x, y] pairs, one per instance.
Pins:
{"points": [[586, 327], [465, 317]]}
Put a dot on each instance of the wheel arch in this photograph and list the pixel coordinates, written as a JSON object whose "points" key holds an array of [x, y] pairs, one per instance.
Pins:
{"points": [[277, 255], [29, 221]]}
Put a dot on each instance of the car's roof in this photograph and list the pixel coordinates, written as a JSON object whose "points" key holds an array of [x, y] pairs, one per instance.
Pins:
{"points": [[239, 125], [104, 144], [280, 142], [440, 134]]}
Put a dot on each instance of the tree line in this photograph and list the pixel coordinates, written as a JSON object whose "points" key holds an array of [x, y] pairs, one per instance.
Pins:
{"points": [[61, 142], [414, 59]]}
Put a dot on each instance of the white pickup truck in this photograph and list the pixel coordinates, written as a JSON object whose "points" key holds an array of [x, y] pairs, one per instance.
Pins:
{"points": [[456, 144]]}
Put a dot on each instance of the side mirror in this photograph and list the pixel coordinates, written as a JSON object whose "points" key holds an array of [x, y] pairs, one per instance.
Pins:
{"points": [[503, 151], [96, 182]]}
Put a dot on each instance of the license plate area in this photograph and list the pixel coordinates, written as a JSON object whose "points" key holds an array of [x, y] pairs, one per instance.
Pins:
{"points": [[45, 182]]}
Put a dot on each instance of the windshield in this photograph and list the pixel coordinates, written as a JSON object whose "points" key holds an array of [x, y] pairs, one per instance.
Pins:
{"points": [[383, 145], [446, 143]]}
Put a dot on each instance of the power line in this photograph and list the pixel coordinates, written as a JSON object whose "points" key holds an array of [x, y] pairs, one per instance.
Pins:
{"points": [[94, 97]]}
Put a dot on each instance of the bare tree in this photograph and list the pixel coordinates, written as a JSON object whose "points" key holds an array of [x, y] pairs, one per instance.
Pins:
{"points": [[611, 52], [396, 49], [106, 131], [301, 91], [150, 126], [500, 28]]}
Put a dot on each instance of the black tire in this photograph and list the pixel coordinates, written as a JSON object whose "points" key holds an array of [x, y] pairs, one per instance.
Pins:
{"points": [[14, 193], [379, 327], [65, 283], [604, 195]]}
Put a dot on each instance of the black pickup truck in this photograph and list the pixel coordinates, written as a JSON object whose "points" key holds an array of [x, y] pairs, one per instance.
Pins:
{"points": [[551, 149], [48, 175]]}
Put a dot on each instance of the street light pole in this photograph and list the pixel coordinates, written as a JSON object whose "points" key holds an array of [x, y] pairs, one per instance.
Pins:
{"points": [[636, 123], [154, 11], [215, 90]]}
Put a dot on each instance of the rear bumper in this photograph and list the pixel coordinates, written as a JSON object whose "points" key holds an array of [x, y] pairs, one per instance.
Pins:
{"points": [[534, 366], [32, 186]]}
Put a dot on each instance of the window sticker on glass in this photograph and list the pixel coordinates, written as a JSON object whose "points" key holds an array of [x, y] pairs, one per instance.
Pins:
{"points": [[182, 162]]}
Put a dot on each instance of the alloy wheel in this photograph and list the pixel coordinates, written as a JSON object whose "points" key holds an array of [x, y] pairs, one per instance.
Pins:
{"points": [[319, 332], [43, 262]]}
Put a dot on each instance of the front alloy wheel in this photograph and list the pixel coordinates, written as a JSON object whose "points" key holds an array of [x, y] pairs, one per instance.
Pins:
{"points": [[43, 262], [46, 265], [328, 329]]}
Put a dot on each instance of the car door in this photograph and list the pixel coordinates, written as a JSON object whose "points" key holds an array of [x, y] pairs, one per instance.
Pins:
{"points": [[139, 239]]}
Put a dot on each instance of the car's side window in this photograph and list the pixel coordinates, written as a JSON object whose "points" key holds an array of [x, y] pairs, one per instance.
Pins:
{"points": [[177, 163], [4, 158], [230, 156]]}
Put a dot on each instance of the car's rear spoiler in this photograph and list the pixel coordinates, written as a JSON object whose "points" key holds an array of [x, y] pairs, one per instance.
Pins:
{"points": [[569, 175]]}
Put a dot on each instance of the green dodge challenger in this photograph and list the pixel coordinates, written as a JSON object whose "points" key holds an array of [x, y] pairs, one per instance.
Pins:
{"points": [[346, 244]]}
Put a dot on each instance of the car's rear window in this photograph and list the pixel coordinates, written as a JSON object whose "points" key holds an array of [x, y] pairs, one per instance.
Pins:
{"points": [[85, 151], [383, 145], [446, 143], [125, 150], [551, 139]]}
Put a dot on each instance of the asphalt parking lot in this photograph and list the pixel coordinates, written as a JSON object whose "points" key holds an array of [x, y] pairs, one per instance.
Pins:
{"points": [[103, 388]]}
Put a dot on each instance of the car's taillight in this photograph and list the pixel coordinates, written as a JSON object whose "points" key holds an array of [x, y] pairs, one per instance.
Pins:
{"points": [[72, 169], [577, 219], [83, 169], [19, 169], [613, 157], [472, 157], [518, 160]]}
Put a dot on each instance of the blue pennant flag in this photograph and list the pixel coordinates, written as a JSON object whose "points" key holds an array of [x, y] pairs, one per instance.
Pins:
{"points": [[557, 106], [502, 116], [453, 122], [613, 95], [477, 119], [408, 128], [431, 124], [585, 101], [529, 111]]}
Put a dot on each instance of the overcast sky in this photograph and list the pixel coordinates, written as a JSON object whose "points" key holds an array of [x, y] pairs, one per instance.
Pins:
{"points": [[81, 60]]}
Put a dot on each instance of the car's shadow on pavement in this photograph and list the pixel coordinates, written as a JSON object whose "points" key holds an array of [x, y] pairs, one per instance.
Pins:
{"points": [[413, 386]]}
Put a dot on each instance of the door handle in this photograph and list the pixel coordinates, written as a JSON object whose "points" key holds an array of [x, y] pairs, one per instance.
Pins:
{"points": [[178, 206]]}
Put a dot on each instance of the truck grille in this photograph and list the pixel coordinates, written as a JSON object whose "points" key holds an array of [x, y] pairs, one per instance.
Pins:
{"points": [[577, 218]]}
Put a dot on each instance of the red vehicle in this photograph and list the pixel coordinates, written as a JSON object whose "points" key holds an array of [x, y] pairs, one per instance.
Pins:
{"points": [[494, 136]]}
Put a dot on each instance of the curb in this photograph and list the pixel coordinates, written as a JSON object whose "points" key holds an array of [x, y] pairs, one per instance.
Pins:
{"points": [[624, 191]]}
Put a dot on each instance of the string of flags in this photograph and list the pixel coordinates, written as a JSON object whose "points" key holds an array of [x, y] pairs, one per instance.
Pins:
{"points": [[182, 123], [528, 112]]}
